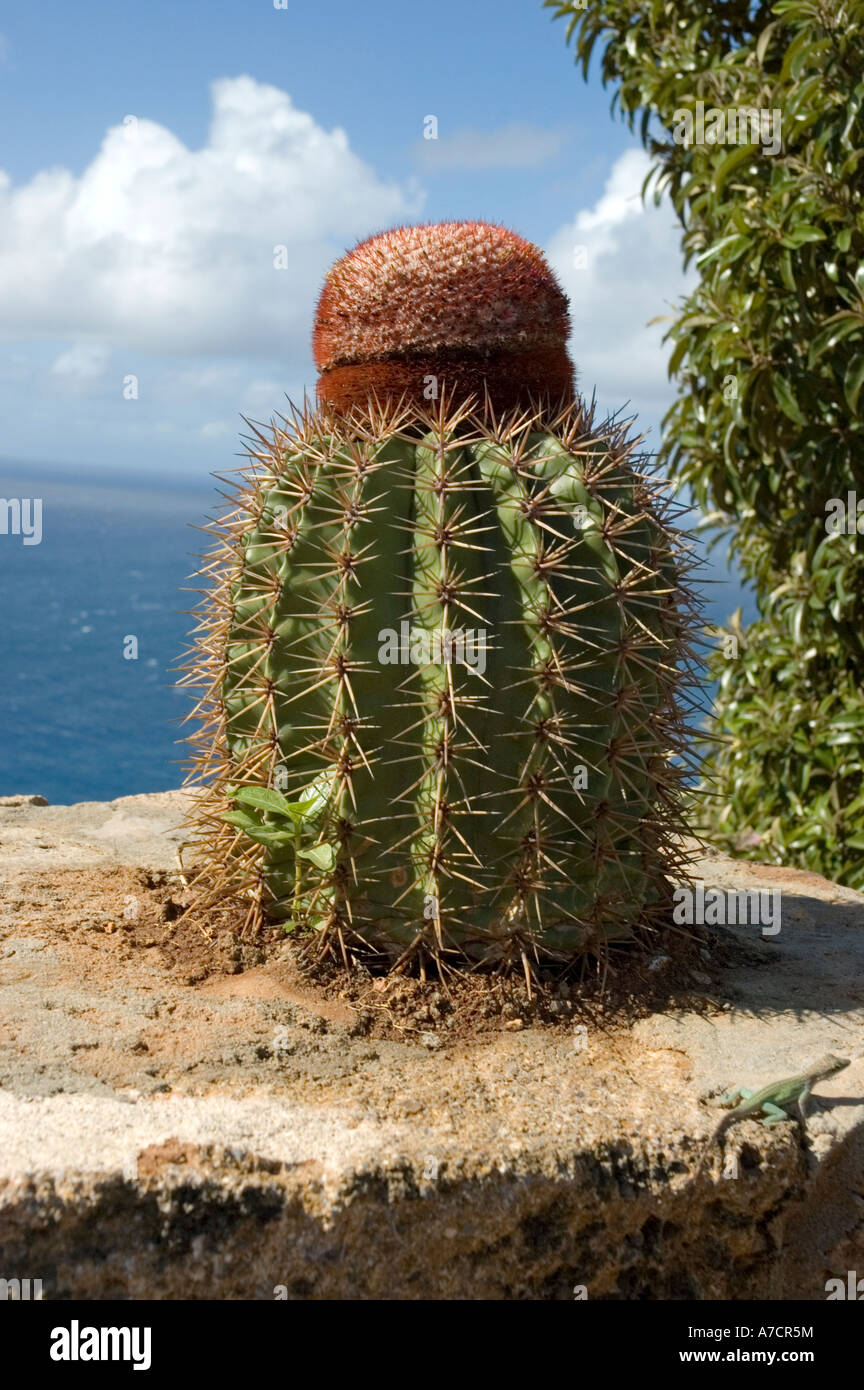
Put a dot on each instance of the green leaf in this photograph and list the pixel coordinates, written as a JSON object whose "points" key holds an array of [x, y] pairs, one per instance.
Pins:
{"points": [[242, 819], [834, 332], [799, 236], [299, 810], [322, 856], [728, 163], [785, 399], [786, 272], [264, 799], [316, 797], [725, 251], [261, 834], [854, 380], [764, 39]]}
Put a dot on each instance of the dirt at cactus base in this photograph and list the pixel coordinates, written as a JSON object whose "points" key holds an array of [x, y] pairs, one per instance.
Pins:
{"points": [[105, 985], [460, 1004]]}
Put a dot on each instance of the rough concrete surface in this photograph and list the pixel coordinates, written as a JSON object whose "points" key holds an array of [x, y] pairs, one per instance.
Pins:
{"points": [[177, 1133]]}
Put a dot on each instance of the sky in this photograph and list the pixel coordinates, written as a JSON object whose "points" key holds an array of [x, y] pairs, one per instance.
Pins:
{"points": [[176, 178]]}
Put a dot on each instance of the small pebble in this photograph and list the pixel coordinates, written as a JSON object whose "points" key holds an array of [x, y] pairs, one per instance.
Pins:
{"points": [[658, 962]]}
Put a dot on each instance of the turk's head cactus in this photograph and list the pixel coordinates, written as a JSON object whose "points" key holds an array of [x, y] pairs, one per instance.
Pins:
{"points": [[442, 654]]}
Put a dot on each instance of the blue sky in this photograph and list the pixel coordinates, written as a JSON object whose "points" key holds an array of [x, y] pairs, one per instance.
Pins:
{"points": [[154, 156]]}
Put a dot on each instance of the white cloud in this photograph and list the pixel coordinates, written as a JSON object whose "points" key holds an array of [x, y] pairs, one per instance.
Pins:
{"points": [[158, 261], [84, 360], [632, 272], [162, 249], [513, 146]]}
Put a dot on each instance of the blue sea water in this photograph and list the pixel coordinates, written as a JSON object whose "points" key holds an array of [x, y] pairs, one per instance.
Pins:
{"points": [[78, 720]]}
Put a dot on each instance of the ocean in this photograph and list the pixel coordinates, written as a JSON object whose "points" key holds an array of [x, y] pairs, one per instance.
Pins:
{"points": [[81, 718]]}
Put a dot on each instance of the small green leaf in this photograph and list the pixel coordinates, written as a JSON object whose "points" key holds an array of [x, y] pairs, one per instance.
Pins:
{"points": [[799, 236], [242, 819], [263, 799], [728, 163], [725, 251], [854, 380], [764, 39], [299, 810], [785, 399], [322, 856], [261, 834], [840, 327], [316, 796]]}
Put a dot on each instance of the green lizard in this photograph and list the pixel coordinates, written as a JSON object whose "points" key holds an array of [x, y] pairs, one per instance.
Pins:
{"points": [[777, 1100]]}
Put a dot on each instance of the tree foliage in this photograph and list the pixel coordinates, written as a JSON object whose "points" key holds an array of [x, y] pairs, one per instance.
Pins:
{"points": [[768, 426]]}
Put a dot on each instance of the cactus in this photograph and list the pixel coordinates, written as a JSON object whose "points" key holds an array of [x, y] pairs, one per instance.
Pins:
{"points": [[448, 615]]}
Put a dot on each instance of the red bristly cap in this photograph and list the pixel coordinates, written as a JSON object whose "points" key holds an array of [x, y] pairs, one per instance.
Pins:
{"points": [[452, 308]]}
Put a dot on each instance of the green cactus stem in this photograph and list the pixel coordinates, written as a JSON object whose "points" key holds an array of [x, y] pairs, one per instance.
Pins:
{"points": [[460, 624]]}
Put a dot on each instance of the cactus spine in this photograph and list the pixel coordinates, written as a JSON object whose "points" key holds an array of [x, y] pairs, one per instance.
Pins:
{"points": [[451, 611]]}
